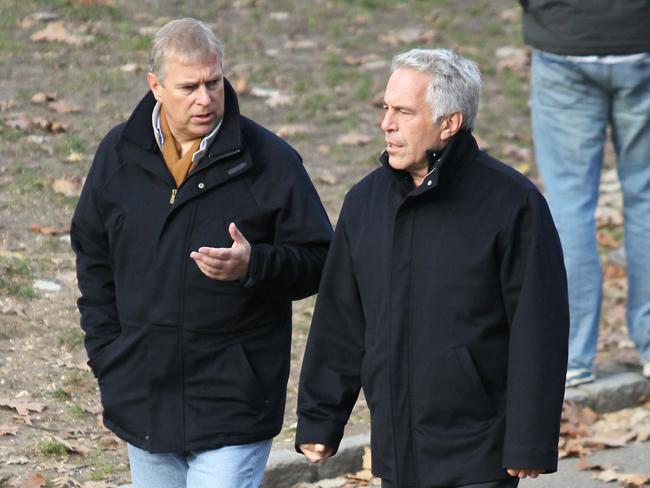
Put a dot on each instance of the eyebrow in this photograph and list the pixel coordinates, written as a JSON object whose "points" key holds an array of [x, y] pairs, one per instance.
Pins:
{"points": [[188, 84], [400, 107]]}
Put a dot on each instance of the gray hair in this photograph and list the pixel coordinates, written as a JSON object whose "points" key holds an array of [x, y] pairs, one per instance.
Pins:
{"points": [[455, 81], [187, 39]]}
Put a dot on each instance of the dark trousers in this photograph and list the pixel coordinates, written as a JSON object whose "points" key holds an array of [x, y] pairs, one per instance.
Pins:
{"points": [[507, 483]]}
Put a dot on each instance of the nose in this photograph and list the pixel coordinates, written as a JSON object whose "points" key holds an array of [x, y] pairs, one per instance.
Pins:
{"points": [[202, 95], [388, 123]]}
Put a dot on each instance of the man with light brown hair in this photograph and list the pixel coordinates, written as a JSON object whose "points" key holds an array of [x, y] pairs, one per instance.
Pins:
{"points": [[195, 230]]}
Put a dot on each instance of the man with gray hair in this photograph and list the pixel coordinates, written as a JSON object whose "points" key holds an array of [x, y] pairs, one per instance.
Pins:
{"points": [[444, 297], [195, 230]]}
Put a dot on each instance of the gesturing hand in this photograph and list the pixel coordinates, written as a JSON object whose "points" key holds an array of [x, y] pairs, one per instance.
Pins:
{"points": [[523, 473], [225, 263], [315, 453]]}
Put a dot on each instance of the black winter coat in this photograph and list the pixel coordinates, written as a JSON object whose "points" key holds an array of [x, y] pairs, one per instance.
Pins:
{"points": [[185, 362], [448, 304]]}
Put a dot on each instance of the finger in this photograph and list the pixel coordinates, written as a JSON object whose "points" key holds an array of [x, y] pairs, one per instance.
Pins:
{"points": [[320, 448], [236, 235], [208, 271], [216, 264], [223, 253], [513, 472]]}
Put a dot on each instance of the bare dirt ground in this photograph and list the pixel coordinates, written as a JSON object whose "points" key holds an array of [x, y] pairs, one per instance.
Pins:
{"points": [[313, 71]]}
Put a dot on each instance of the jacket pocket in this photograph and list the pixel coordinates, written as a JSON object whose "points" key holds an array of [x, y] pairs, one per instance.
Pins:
{"points": [[449, 396], [102, 359]]}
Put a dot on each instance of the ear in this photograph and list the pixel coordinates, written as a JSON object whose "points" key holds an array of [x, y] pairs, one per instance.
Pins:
{"points": [[450, 126], [155, 85]]}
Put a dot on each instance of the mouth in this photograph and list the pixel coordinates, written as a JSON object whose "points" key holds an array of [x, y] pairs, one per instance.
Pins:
{"points": [[203, 117], [392, 146]]}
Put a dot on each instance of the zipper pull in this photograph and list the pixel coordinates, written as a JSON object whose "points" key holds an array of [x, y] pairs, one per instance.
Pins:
{"points": [[172, 199]]}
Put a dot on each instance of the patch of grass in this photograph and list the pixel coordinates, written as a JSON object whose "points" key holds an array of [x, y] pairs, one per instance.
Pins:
{"points": [[515, 90], [8, 134], [363, 88], [16, 278], [71, 338], [75, 10], [71, 142], [134, 42], [100, 467], [26, 182], [76, 412], [52, 448], [52, 244], [108, 80], [79, 382], [61, 394], [318, 102]]}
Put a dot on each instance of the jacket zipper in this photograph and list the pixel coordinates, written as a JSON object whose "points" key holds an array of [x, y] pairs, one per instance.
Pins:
{"points": [[172, 198]]}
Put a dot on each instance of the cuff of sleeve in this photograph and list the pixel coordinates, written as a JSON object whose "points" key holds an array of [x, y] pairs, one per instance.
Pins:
{"points": [[258, 265], [326, 433], [530, 458]]}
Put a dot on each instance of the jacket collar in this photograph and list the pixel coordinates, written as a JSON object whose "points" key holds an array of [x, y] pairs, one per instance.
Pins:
{"points": [[445, 168]]}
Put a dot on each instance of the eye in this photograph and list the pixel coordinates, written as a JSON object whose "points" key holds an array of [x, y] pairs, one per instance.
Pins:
{"points": [[213, 84]]}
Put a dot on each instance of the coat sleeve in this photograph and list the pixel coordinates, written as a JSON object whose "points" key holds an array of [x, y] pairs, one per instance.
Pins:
{"points": [[290, 267], [89, 239], [330, 376], [534, 288]]}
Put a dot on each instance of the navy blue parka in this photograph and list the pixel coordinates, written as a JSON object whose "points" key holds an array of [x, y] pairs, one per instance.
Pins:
{"points": [[185, 362], [447, 303]]}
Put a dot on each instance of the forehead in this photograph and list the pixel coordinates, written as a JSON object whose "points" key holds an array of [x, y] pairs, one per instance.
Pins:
{"points": [[179, 69], [407, 87]]}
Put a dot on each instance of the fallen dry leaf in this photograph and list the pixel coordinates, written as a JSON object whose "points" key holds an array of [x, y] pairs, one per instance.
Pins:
{"points": [[327, 178], [57, 32], [49, 231], [408, 35], [109, 442], [71, 447], [66, 482], [18, 121], [16, 460], [517, 152], [40, 97], [69, 187], [274, 98], [512, 58], [64, 108], [131, 68], [607, 476], [609, 439], [584, 465], [6, 105], [633, 479], [95, 484], [34, 480], [13, 309], [7, 429], [23, 407], [75, 157], [354, 139], [612, 272], [240, 83], [510, 15], [290, 130], [48, 125]]}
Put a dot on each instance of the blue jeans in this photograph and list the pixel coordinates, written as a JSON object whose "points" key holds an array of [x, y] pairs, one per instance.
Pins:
{"points": [[572, 104], [240, 466]]}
